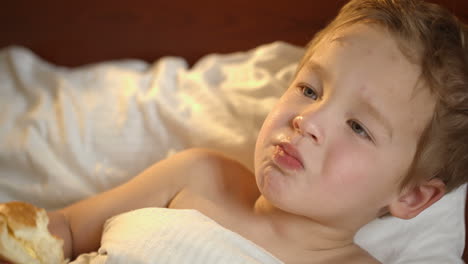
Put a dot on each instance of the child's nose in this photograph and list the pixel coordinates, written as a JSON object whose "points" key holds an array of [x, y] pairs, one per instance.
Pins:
{"points": [[307, 128]]}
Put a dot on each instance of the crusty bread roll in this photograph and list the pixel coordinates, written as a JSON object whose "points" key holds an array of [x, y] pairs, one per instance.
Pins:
{"points": [[24, 236]]}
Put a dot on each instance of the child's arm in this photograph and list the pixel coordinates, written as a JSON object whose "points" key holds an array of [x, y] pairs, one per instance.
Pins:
{"points": [[58, 226], [80, 225]]}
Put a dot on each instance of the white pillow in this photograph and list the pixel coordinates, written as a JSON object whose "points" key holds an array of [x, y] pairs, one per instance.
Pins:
{"points": [[70, 133]]}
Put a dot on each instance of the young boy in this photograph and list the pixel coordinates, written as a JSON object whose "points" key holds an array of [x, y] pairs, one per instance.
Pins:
{"points": [[374, 123]]}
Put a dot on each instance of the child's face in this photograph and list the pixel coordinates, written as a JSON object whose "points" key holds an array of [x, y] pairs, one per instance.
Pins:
{"points": [[353, 115]]}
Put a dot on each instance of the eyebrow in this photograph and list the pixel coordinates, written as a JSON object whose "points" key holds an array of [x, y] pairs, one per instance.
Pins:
{"points": [[377, 115], [319, 69]]}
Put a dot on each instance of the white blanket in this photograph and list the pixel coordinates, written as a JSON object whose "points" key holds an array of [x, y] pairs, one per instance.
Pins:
{"points": [[170, 236], [66, 134]]}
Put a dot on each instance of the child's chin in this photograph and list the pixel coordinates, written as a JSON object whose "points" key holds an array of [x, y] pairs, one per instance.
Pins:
{"points": [[272, 182]]}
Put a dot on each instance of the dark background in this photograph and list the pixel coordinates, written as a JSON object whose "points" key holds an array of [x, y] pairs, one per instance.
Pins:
{"points": [[72, 33]]}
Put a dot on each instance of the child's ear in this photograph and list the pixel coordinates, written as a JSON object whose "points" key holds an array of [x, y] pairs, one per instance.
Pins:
{"points": [[413, 201]]}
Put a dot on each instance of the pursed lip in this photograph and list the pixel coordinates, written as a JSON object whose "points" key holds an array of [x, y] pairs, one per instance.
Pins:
{"points": [[291, 151]]}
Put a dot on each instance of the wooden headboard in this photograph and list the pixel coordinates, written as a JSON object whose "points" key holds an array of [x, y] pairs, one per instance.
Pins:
{"points": [[72, 33]]}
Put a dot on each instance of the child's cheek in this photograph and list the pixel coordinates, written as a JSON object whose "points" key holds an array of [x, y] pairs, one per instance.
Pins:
{"points": [[347, 165]]}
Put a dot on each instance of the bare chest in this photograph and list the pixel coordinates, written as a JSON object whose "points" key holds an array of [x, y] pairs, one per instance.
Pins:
{"points": [[236, 215], [226, 209]]}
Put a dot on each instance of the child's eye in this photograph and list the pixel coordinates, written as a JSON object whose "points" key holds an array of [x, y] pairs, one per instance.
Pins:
{"points": [[309, 92], [359, 129]]}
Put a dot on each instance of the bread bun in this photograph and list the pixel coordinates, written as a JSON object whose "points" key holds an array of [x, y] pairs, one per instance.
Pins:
{"points": [[25, 237]]}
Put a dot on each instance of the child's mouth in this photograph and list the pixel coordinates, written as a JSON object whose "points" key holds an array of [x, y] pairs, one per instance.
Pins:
{"points": [[285, 156]]}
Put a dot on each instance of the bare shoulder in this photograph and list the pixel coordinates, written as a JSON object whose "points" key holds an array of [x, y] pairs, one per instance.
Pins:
{"points": [[194, 168], [154, 187], [209, 165], [221, 177]]}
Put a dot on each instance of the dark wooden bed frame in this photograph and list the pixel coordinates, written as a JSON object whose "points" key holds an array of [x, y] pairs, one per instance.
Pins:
{"points": [[74, 33]]}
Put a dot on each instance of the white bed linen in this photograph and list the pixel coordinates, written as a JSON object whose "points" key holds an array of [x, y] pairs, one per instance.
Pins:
{"points": [[69, 133], [172, 236]]}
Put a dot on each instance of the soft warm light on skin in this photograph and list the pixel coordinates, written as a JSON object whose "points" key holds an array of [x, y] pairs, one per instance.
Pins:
{"points": [[354, 176]]}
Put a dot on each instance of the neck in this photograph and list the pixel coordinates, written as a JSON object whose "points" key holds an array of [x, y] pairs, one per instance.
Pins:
{"points": [[302, 232]]}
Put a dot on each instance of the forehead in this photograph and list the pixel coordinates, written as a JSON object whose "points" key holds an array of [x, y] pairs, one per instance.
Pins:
{"points": [[370, 49]]}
